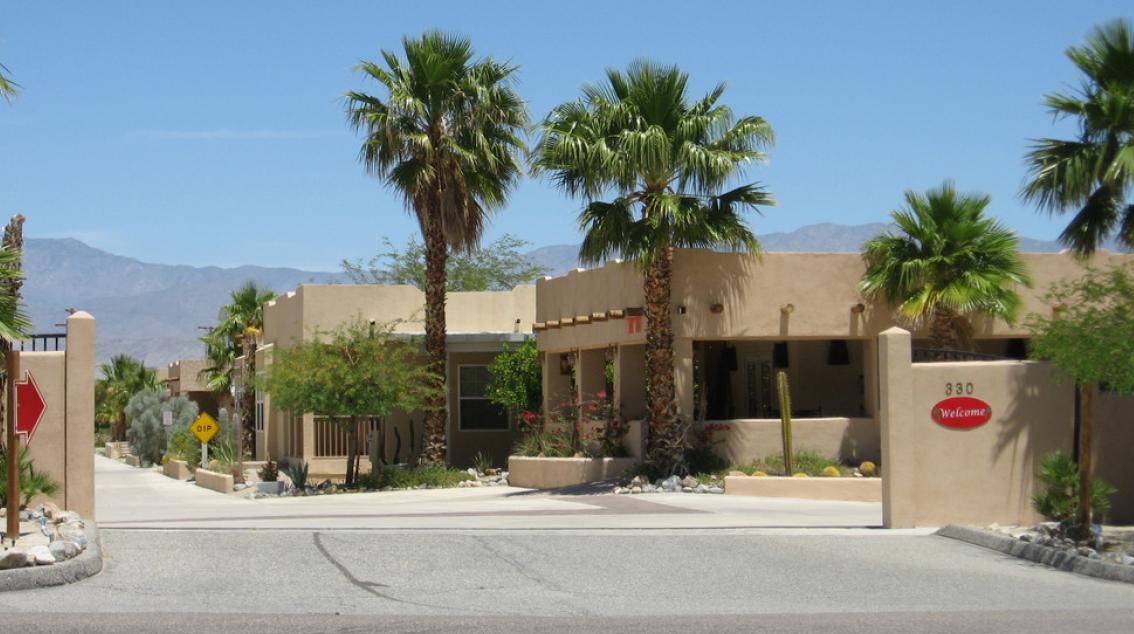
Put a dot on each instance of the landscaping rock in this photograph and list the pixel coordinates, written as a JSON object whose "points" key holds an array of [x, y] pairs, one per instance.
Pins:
{"points": [[689, 482], [700, 488], [636, 489], [66, 517], [41, 555], [63, 550], [471, 471], [686, 489], [270, 488], [49, 510], [1087, 551], [73, 532], [716, 490], [15, 559], [671, 484]]}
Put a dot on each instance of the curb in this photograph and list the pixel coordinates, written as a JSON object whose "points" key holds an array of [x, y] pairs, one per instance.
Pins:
{"points": [[1058, 559], [87, 564]]}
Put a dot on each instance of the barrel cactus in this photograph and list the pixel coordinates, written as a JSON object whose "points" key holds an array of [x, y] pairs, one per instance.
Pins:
{"points": [[832, 472], [867, 469]]}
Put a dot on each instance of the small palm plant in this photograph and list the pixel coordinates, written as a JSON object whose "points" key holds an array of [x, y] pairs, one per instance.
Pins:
{"points": [[32, 482], [945, 262]]}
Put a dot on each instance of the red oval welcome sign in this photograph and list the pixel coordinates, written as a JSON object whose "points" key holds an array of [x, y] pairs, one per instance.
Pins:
{"points": [[961, 412]]}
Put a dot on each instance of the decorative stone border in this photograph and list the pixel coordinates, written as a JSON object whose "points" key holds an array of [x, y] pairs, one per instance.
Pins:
{"points": [[1059, 559], [552, 473], [177, 469], [219, 482], [817, 488], [87, 564]]}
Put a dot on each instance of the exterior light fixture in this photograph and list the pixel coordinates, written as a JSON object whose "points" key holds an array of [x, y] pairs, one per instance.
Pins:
{"points": [[787, 309], [716, 309], [858, 308], [680, 309]]}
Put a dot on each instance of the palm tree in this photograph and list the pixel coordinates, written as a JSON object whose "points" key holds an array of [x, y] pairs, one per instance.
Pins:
{"points": [[1092, 174], [239, 323], [666, 159], [8, 88], [946, 262], [122, 378], [446, 137]]}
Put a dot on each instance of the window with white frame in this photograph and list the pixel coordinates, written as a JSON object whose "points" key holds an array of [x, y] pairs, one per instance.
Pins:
{"points": [[475, 411]]}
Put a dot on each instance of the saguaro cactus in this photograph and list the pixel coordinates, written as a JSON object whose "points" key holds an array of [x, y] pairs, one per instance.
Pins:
{"points": [[784, 392]]}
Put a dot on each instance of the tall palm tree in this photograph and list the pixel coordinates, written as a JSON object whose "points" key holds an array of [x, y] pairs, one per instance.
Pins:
{"points": [[1092, 174], [666, 159], [123, 377], [446, 137], [946, 262], [239, 322], [8, 88]]}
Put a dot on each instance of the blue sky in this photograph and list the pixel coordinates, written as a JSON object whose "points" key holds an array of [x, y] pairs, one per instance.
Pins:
{"points": [[212, 132]]}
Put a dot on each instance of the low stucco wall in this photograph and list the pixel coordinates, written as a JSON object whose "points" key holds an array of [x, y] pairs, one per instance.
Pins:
{"points": [[839, 489], [550, 473], [177, 469], [851, 440], [116, 450], [219, 482]]}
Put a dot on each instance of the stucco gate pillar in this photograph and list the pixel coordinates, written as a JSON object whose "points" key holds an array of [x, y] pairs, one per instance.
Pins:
{"points": [[895, 408]]}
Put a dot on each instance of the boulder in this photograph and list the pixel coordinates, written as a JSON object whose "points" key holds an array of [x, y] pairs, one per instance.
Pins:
{"points": [[41, 555], [15, 559], [72, 532], [63, 550], [690, 482], [49, 510]]}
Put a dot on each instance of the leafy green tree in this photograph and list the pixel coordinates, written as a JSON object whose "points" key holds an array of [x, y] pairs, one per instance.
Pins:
{"points": [[666, 159], [122, 378], [239, 324], [447, 138], [147, 433], [1092, 174], [1088, 337], [945, 262], [350, 373], [497, 267], [517, 379]]}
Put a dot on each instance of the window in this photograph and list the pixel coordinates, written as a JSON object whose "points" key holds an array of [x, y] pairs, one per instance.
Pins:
{"points": [[476, 412]]}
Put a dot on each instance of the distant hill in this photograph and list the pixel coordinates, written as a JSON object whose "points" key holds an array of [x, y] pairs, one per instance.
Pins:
{"points": [[150, 311], [153, 311]]}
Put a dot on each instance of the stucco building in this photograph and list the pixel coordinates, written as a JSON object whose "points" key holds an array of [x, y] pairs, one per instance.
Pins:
{"points": [[479, 325]]}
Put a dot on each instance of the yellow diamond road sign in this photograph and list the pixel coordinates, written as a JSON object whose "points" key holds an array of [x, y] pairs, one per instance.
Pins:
{"points": [[204, 427]]}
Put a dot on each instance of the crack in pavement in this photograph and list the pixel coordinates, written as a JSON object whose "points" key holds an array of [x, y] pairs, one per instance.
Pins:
{"points": [[525, 571]]}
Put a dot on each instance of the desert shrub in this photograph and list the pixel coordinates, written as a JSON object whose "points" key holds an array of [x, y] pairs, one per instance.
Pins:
{"points": [[408, 478], [482, 462], [1059, 498], [297, 472], [703, 460], [805, 461], [582, 428], [183, 445], [146, 433], [269, 472]]}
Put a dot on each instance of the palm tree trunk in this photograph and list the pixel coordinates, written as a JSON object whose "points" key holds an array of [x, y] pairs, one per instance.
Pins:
{"points": [[248, 396], [942, 330], [436, 253], [666, 438], [1083, 519]]}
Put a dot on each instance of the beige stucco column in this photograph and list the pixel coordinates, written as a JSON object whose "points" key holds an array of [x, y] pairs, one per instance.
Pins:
{"points": [[308, 437], [895, 411], [79, 416], [683, 376]]}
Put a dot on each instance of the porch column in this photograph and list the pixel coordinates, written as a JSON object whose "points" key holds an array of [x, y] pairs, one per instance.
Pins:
{"points": [[683, 376], [308, 437]]}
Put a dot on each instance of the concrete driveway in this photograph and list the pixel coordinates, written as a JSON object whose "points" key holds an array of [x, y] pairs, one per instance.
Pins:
{"points": [[128, 497]]}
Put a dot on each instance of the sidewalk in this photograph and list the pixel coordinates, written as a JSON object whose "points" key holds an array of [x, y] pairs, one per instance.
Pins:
{"points": [[128, 497]]}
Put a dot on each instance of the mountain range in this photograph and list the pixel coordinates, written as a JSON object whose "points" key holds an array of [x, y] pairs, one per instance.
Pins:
{"points": [[155, 311]]}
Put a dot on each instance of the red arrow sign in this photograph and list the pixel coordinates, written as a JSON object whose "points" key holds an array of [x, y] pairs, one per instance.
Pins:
{"points": [[29, 406]]}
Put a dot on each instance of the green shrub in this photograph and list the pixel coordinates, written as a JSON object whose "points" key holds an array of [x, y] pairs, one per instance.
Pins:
{"points": [[482, 462], [297, 472], [804, 461], [270, 472], [1059, 499], [183, 445], [146, 433], [407, 478]]}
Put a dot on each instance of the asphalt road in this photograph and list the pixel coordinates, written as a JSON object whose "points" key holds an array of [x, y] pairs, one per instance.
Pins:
{"points": [[536, 581]]}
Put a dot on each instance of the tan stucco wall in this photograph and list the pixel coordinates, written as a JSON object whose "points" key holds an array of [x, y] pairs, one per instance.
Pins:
{"points": [[550, 473], [63, 445], [183, 376], [1114, 451], [934, 475], [851, 440], [821, 287], [838, 489]]}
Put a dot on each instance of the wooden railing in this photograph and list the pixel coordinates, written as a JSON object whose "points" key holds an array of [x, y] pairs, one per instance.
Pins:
{"points": [[331, 437]]}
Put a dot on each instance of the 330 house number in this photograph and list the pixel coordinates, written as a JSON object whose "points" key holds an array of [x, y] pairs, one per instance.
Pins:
{"points": [[958, 389]]}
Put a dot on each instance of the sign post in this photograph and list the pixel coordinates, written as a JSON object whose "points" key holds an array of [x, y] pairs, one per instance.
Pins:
{"points": [[12, 363], [204, 428]]}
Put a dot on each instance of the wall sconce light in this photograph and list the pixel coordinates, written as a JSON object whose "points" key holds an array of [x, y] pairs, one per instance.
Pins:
{"points": [[680, 309], [858, 308], [716, 309], [787, 309]]}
